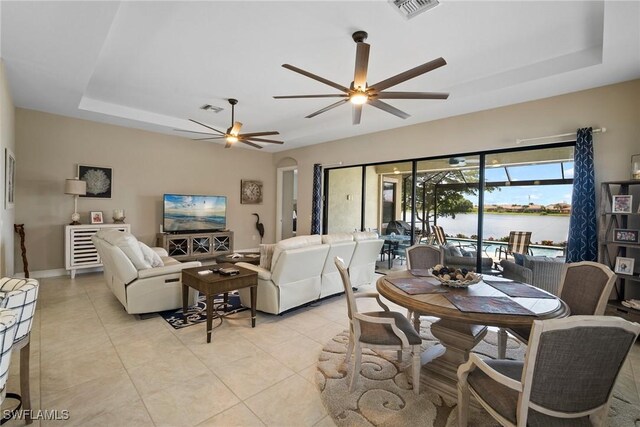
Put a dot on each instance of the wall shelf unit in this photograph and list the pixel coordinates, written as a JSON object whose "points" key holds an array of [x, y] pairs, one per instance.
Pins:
{"points": [[609, 249]]}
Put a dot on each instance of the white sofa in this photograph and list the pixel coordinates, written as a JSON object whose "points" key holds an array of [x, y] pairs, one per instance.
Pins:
{"points": [[302, 269], [129, 274]]}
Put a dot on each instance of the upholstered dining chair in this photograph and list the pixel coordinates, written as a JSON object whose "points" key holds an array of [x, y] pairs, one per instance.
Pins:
{"points": [[386, 330], [21, 296], [8, 326], [519, 242], [585, 286], [567, 376], [424, 256]]}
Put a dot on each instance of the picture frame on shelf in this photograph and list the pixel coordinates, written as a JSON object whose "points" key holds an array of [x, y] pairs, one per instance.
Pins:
{"points": [[624, 265], [99, 181], [622, 203], [624, 235], [97, 217]]}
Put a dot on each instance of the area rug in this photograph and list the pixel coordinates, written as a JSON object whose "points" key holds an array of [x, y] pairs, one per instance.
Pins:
{"points": [[384, 395], [198, 313]]}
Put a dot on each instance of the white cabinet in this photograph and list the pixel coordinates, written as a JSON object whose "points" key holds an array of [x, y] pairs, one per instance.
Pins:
{"points": [[79, 250]]}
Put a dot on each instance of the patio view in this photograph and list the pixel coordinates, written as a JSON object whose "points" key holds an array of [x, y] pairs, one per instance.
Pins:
{"points": [[523, 190]]}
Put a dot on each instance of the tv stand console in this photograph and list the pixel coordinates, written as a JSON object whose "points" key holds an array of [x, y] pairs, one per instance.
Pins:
{"points": [[195, 246]]}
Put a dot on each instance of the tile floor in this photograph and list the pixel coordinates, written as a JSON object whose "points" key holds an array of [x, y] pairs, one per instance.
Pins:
{"points": [[110, 368]]}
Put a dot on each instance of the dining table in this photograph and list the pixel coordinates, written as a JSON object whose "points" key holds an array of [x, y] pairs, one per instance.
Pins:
{"points": [[464, 315]]}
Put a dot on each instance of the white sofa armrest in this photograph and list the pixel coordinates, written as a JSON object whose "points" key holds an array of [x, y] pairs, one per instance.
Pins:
{"points": [[162, 252], [167, 269], [263, 273]]}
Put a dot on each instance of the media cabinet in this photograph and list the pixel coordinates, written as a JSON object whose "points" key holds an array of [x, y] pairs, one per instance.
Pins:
{"points": [[188, 247]]}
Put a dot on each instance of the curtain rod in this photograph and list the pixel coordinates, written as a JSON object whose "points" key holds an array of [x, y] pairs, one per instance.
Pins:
{"points": [[519, 141]]}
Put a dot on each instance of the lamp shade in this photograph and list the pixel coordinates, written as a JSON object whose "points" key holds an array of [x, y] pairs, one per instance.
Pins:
{"points": [[75, 187]]}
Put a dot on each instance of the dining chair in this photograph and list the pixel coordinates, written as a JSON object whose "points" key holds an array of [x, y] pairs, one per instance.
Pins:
{"points": [[519, 242], [567, 376], [585, 286], [385, 330], [424, 256], [21, 296], [8, 327]]}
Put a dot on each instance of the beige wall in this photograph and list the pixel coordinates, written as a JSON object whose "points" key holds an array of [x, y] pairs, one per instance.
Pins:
{"points": [[7, 140], [616, 107], [145, 166], [345, 196]]}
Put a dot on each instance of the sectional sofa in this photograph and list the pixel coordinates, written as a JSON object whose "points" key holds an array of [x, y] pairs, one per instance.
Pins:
{"points": [[302, 270]]}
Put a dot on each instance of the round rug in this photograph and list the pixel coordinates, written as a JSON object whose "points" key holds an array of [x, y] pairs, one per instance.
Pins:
{"points": [[384, 395]]}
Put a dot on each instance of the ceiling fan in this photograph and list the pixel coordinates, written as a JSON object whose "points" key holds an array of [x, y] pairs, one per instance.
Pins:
{"points": [[233, 135], [462, 161], [360, 93]]}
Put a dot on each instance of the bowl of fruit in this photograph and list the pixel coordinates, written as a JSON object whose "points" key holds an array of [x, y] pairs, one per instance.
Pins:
{"points": [[455, 277]]}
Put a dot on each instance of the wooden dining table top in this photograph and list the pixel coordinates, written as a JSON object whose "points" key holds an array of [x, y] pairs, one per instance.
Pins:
{"points": [[438, 305]]}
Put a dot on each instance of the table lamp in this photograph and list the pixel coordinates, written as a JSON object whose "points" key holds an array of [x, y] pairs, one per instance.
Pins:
{"points": [[76, 187]]}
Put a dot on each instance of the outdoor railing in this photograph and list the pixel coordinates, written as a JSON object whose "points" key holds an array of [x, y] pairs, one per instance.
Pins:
{"points": [[489, 247]]}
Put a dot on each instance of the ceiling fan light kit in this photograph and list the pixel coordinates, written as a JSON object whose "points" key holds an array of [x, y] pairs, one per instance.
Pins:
{"points": [[359, 93]]}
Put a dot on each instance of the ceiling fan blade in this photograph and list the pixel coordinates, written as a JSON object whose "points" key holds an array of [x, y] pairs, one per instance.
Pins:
{"points": [[249, 135], [235, 129], [409, 74], [356, 113], [270, 141], [193, 131], [207, 126], [250, 143], [412, 95], [206, 139], [388, 108], [340, 95], [362, 62], [315, 77], [327, 108]]}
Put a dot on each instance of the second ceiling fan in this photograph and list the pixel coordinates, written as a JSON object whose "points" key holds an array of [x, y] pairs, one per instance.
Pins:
{"points": [[359, 93]]}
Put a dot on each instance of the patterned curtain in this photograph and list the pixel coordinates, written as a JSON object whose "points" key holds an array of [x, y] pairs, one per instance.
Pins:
{"points": [[582, 244], [316, 200]]}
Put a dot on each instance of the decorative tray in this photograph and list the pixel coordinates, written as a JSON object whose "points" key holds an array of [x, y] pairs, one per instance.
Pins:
{"points": [[455, 278]]}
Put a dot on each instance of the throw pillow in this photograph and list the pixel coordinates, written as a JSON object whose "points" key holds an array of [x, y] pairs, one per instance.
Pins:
{"points": [[518, 258], [128, 243], [453, 250], [151, 256], [266, 253]]}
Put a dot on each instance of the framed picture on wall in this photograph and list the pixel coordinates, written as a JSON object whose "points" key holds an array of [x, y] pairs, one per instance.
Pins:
{"points": [[622, 203], [9, 178], [96, 217], [624, 265], [624, 235], [99, 181]]}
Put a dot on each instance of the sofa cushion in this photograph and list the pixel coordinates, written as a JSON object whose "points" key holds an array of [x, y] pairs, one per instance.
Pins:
{"points": [[530, 259], [364, 235], [337, 238], [294, 243], [266, 254], [128, 244], [151, 256]]}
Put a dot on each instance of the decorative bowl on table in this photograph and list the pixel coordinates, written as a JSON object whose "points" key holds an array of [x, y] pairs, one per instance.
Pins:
{"points": [[455, 277]]}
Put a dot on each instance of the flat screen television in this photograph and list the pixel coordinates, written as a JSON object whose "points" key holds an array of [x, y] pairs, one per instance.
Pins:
{"points": [[190, 213]]}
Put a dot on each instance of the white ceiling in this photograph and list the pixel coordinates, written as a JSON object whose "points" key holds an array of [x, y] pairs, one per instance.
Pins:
{"points": [[151, 65]]}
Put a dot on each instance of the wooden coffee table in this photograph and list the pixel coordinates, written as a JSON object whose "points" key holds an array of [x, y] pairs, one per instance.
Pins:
{"points": [[213, 284], [244, 258]]}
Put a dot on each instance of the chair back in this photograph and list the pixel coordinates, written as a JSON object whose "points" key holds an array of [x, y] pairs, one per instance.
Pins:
{"points": [[585, 287], [578, 358], [424, 256], [8, 323], [519, 242], [352, 308], [438, 232], [21, 296]]}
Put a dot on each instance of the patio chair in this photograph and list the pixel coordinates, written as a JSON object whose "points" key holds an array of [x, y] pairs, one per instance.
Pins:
{"points": [[585, 287], [438, 233], [385, 330], [567, 376], [519, 242]]}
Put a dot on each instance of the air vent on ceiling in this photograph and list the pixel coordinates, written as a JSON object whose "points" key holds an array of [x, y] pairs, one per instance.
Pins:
{"points": [[411, 8], [212, 108]]}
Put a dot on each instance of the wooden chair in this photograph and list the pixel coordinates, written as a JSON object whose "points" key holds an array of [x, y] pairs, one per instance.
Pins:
{"points": [[385, 330], [567, 376], [519, 242], [21, 295], [585, 287]]}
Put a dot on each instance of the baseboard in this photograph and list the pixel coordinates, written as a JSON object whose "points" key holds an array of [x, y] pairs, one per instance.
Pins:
{"points": [[56, 272]]}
